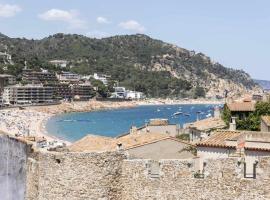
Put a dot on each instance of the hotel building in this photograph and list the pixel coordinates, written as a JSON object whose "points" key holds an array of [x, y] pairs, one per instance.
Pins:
{"points": [[28, 94]]}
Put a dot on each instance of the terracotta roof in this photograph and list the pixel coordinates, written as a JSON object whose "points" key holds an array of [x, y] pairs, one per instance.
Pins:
{"points": [[266, 120], [242, 106], [218, 139], [257, 149], [100, 143], [207, 124], [92, 143]]}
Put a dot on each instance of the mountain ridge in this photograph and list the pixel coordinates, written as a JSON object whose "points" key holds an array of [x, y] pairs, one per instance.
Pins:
{"points": [[136, 61]]}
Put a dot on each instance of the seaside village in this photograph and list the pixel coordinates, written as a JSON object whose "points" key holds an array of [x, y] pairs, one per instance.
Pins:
{"points": [[232, 145]]}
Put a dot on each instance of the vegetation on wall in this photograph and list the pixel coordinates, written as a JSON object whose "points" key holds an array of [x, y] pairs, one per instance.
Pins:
{"points": [[253, 121]]}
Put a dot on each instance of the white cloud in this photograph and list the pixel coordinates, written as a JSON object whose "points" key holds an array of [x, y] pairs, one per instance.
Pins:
{"points": [[7, 10], [102, 20], [97, 34], [132, 25], [71, 17]]}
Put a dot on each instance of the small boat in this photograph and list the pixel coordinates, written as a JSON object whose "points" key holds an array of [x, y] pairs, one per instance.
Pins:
{"points": [[177, 113], [209, 115], [186, 114], [158, 110]]}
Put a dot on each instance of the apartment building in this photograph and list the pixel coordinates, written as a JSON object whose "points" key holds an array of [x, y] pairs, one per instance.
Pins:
{"points": [[82, 91], [6, 79], [68, 77], [38, 77], [61, 90], [28, 94]]}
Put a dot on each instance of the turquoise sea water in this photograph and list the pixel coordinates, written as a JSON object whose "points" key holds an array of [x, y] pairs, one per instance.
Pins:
{"points": [[74, 126]]}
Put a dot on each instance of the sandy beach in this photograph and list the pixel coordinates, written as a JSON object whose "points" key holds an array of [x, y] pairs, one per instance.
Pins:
{"points": [[31, 121]]}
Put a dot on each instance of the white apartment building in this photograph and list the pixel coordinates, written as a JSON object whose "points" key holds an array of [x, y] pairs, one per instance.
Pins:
{"points": [[101, 77], [134, 95]]}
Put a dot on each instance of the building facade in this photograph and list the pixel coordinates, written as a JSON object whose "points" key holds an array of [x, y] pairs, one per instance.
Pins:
{"points": [[37, 77], [28, 94]]}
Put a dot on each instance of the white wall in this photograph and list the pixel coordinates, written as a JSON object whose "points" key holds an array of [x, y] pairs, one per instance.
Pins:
{"points": [[214, 153]]}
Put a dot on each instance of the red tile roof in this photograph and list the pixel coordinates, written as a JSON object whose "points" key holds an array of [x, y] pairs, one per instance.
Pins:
{"points": [[218, 139], [242, 106]]}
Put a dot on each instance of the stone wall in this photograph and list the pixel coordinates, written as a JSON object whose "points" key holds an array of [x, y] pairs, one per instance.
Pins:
{"points": [[34, 175], [223, 180], [13, 156], [62, 176]]}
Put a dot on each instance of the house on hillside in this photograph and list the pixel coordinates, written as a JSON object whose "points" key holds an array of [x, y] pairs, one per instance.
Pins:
{"points": [[145, 146], [241, 110]]}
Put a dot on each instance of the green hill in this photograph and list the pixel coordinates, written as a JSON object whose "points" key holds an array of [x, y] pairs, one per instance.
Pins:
{"points": [[137, 61]]}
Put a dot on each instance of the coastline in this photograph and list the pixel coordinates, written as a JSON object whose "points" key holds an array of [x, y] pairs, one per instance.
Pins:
{"points": [[32, 120]]}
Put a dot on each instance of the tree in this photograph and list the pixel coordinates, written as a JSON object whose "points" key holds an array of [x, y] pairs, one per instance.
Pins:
{"points": [[102, 90], [199, 92]]}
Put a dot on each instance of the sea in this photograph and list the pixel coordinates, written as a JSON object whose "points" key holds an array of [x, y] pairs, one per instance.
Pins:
{"points": [[74, 126]]}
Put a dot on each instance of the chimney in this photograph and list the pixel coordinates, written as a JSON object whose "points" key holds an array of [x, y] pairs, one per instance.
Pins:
{"points": [[217, 112], [233, 124]]}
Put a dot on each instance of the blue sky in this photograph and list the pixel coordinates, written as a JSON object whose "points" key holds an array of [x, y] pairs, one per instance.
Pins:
{"points": [[234, 33]]}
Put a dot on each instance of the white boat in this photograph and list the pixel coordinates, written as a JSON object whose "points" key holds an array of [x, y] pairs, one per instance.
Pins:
{"points": [[209, 115], [177, 113], [158, 110]]}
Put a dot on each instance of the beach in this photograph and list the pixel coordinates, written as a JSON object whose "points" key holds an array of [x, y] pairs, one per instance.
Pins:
{"points": [[31, 121]]}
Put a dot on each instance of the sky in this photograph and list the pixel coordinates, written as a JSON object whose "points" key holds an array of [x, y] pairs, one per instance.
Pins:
{"points": [[233, 33]]}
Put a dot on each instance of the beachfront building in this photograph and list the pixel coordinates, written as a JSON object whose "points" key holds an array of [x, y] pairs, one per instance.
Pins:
{"points": [[28, 94], [62, 91], [152, 146], [119, 92], [37, 77], [59, 63], [241, 110], [68, 77], [134, 95], [82, 91], [6, 79], [265, 123]]}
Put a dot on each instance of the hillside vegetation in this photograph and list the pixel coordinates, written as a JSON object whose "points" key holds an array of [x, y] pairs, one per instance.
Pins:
{"points": [[137, 61]]}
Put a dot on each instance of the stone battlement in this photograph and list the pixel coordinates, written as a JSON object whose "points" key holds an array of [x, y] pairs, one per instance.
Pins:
{"points": [[111, 175]]}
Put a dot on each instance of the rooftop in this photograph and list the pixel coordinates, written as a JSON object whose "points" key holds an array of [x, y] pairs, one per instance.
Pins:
{"points": [[100, 143], [207, 124], [253, 140], [246, 106], [218, 139]]}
